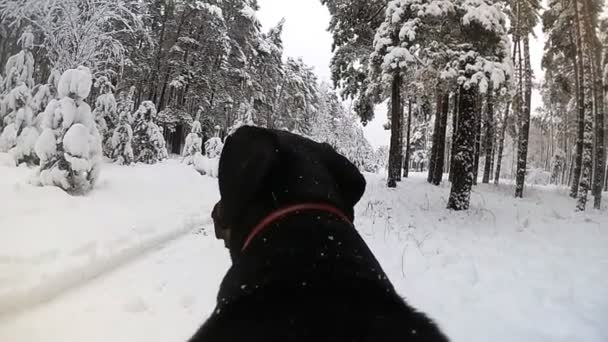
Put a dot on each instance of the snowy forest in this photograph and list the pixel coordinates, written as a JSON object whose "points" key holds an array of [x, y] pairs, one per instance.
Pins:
{"points": [[459, 100], [114, 114]]}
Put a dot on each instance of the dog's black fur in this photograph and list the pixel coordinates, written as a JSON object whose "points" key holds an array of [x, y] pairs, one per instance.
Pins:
{"points": [[309, 277]]}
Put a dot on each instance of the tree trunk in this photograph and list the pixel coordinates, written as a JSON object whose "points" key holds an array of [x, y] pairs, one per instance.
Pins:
{"points": [[443, 122], [489, 136], [454, 130], [463, 159], [598, 91], [159, 56], [524, 132], [435, 139], [395, 150], [406, 162], [586, 87], [580, 99], [501, 144], [587, 165], [478, 108]]}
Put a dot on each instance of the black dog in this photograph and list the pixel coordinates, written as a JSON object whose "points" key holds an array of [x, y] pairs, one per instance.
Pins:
{"points": [[300, 271]]}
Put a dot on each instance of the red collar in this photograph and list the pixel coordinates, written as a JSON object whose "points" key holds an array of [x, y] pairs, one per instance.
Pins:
{"points": [[292, 209]]}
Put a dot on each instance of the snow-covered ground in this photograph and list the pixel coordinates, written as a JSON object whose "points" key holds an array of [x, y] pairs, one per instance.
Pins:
{"points": [[137, 260]]}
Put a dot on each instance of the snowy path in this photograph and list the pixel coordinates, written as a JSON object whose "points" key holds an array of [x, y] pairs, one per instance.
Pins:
{"points": [[162, 297], [508, 270], [52, 242]]}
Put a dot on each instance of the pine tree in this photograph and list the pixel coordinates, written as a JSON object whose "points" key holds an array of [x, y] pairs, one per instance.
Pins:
{"points": [[148, 141], [122, 151], [214, 146], [474, 65], [526, 17], [194, 143], [46, 92], [353, 25], [19, 117], [69, 147], [105, 112]]}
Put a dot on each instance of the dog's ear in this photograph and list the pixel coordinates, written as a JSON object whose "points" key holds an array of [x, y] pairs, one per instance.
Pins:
{"points": [[350, 182], [247, 158]]}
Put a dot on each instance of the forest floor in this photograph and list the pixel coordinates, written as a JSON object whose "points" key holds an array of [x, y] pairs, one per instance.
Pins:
{"points": [[137, 260]]}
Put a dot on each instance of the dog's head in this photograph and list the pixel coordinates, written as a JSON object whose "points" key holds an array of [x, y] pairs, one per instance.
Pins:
{"points": [[262, 170]]}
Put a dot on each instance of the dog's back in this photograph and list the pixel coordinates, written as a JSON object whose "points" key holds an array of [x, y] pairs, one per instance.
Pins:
{"points": [[312, 278]]}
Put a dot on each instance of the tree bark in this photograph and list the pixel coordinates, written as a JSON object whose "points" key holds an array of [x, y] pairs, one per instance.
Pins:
{"points": [[395, 150], [501, 144], [454, 130], [524, 132], [586, 87], [478, 109], [598, 92], [489, 136], [435, 139], [580, 99], [406, 162], [443, 122], [460, 194]]}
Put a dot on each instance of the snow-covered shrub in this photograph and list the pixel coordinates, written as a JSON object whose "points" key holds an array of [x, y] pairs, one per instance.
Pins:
{"points": [[148, 142], [19, 137], [46, 92], [69, 147], [19, 68], [214, 147], [194, 143], [105, 112], [122, 151]]}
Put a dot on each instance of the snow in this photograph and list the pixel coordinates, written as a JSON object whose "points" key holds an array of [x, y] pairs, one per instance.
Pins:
{"points": [[46, 147], [75, 83], [8, 138], [66, 112], [6, 160], [25, 143], [138, 254], [58, 241], [76, 141], [205, 165]]}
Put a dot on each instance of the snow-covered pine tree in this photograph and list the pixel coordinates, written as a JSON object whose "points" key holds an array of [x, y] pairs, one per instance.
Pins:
{"points": [[77, 32], [477, 65], [20, 67], [125, 102], [354, 24], [194, 143], [148, 141], [46, 92], [25, 126], [69, 147], [19, 137], [105, 112], [244, 117], [122, 151], [214, 146]]}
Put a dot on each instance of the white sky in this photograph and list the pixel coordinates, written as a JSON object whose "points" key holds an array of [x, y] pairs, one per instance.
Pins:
{"points": [[305, 35]]}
